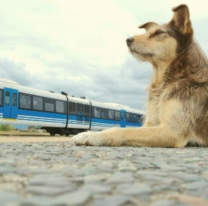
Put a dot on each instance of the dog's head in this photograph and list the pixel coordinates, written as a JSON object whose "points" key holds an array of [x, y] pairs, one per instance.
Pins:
{"points": [[163, 43]]}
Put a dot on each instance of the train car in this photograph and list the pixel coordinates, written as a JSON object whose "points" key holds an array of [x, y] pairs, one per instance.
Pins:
{"points": [[107, 115], [60, 113]]}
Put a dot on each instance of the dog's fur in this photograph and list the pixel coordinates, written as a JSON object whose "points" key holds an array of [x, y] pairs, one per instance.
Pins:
{"points": [[177, 111]]}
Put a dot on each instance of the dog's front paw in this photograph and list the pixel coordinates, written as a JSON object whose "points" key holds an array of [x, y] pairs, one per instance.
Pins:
{"points": [[89, 138], [80, 139]]}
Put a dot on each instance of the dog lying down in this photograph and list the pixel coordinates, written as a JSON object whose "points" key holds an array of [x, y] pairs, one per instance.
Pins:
{"points": [[177, 110]]}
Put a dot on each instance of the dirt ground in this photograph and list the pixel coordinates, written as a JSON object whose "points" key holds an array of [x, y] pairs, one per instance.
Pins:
{"points": [[34, 139]]}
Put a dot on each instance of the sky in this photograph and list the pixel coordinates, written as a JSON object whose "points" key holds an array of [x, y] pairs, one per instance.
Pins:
{"points": [[79, 46]]}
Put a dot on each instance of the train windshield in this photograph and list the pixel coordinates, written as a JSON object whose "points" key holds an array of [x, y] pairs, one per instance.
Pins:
{"points": [[1, 97]]}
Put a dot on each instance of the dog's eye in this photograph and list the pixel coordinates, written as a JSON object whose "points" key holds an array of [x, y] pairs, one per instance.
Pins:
{"points": [[158, 32]]}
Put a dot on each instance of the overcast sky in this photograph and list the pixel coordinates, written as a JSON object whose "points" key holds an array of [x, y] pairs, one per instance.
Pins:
{"points": [[79, 46]]}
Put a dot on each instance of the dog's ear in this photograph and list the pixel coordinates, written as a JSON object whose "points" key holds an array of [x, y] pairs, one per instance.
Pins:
{"points": [[181, 19], [148, 25]]}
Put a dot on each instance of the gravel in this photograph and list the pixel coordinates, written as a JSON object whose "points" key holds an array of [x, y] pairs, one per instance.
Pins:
{"points": [[62, 174]]}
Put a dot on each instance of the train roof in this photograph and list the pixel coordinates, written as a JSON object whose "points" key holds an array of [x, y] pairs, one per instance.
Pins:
{"points": [[49, 94], [116, 107], [29, 90]]}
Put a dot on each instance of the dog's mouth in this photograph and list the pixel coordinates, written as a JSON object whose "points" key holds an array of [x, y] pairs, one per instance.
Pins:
{"points": [[145, 55]]}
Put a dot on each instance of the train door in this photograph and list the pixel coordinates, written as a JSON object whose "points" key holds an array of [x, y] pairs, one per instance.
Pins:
{"points": [[79, 112], [80, 117], [87, 115], [83, 112], [123, 118], [10, 103]]}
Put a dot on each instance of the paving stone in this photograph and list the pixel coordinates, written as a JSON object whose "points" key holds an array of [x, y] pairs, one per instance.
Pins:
{"points": [[164, 203], [205, 175], [9, 197], [120, 177], [116, 201], [126, 166], [199, 193], [104, 168], [161, 180], [164, 188], [167, 167], [46, 179], [71, 172], [7, 161], [95, 188], [41, 201], [89, 170], [96, 178], [45, 158], [38, 171], [142, 173], [141, 165], [47, 190], [133, 189], [79, 197], [195, 185], [5, 169], [189, 200], [186, 178]]}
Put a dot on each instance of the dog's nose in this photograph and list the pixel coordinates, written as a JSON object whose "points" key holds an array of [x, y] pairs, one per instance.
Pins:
{"points": [[129, 41]]}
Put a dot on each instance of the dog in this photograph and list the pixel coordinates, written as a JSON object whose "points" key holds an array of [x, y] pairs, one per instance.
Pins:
{"points": [[177, 109]]}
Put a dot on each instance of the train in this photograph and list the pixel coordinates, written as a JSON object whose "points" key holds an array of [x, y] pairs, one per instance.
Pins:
{"points": [[60, 113]]}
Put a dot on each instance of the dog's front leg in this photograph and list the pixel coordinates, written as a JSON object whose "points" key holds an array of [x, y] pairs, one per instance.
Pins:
{"points": [[146, 137]]}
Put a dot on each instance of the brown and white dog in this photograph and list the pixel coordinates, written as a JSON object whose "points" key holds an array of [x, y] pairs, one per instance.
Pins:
{"points": [[177, 111]]}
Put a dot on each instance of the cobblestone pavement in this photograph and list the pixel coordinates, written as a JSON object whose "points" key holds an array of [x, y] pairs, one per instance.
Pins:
{"points": [[61, 174]]}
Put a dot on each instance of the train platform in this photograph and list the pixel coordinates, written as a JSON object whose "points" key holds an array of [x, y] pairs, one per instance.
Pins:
{"points": [[45, 171]]}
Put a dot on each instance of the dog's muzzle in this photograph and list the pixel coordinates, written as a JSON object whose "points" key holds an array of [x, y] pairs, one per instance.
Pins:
{"points": [[129, 41]]}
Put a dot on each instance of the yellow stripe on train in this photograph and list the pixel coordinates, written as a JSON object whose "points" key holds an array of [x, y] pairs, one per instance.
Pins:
{"points": [[9, 119]]}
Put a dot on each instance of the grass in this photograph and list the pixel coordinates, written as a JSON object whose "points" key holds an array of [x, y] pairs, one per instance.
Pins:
{"points": [[9, 130], [23, 133], [6, 127]]}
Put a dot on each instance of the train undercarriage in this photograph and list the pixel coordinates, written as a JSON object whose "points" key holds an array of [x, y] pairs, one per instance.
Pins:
{"points": [[63, 131]]}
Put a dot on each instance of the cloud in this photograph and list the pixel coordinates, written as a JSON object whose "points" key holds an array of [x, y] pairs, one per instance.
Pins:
{"points": [[117, 86], [16, 72], [79, 46]]}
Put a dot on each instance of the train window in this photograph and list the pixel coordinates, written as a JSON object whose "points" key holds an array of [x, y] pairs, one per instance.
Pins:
{"points": [[72, 108], [86, 110], [140, 118], [25, 101], [96, 112], [137, 118], [104, 113], [131, 117], [1, 97], [111, 114], [127, 117], [14, 99], [60, 106], [79, 108], [37, 103], [7, 99], [117, 115], [49, 105]]}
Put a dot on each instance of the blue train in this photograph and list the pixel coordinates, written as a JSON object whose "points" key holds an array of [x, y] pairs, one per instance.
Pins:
{"points": [[60, 113]]}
